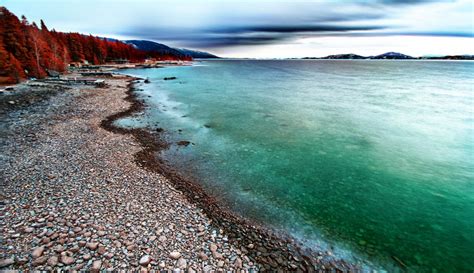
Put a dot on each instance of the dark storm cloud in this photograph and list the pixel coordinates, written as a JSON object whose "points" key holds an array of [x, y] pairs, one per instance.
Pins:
{"points": [[208, 39], [245, 35], [298, 28], [266, 34], [232, 41], [271, 34], [267, 23], [264, 23]]}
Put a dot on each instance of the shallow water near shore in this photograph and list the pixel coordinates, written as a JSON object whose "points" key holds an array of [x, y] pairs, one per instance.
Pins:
{"points": [[375, 157]]}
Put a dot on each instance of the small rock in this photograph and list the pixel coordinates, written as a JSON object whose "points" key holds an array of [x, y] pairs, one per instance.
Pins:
{"points": [[29, 230], [262, 249], [39, 261], [22, 260], [74, 249], [37, 252], [145, 260], [92, 245], [183, 143], [217, 255], [238, 263], [96, 265], [67, 260], [53, 261], [59, 248], [175, 255], [203, 256], [6, 262], [101, 250], [182, 263]]}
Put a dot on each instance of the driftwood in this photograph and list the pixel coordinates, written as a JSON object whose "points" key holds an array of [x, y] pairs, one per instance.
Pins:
{"points": [[103, 74], [85, 81]]}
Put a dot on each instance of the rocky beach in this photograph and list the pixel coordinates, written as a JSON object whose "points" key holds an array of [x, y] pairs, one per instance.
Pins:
{"points": [[218, 136], [78, 193]]}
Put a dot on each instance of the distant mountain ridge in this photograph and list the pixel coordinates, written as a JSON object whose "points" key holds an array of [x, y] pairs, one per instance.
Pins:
{"points": [[449, 57], [151, 46], [391, 56], [155, 47], [197, 54], [350, 56]]}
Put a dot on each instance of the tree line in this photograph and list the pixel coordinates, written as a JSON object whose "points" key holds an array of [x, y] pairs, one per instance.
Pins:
{"points": [[28, 51]]}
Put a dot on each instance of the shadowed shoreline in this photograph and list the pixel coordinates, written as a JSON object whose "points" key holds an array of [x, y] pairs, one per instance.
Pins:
{"points": [[55, 146], [272, 250]]}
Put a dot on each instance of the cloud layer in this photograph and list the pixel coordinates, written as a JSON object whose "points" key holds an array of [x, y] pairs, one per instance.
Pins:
{"points": [[269, 23], [219, 24]]}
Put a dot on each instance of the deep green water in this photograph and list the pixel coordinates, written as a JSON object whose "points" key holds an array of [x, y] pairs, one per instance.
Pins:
{"points": [[372, 158]]}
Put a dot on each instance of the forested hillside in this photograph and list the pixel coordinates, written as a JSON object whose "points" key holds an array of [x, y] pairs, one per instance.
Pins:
{"points": [[27, 50]]}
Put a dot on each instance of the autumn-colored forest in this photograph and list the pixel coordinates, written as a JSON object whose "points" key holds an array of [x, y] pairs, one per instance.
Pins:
{"points": [[27, 50]]}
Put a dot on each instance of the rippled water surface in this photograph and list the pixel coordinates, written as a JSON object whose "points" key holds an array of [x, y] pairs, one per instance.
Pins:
{"points": [[372, 157]]}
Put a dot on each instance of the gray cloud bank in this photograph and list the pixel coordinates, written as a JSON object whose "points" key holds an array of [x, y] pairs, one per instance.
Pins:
{"points": [[216, 23], [267, 24]]}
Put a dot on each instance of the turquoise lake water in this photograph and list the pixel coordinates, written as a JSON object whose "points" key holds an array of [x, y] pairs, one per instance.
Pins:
{"points": [[374, 159]]}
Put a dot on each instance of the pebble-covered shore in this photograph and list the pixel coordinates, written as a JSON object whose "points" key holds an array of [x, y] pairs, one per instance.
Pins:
{"points": [[73, 197]]}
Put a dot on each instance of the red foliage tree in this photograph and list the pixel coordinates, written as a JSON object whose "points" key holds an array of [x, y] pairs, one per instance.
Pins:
{"points": [[29, 51]]}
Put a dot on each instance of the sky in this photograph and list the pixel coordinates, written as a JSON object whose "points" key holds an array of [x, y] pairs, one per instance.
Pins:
{"points": [[269, 29]]}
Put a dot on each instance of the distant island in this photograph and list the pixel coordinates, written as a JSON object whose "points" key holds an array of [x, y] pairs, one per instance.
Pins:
{"points": [[390, 56]]}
